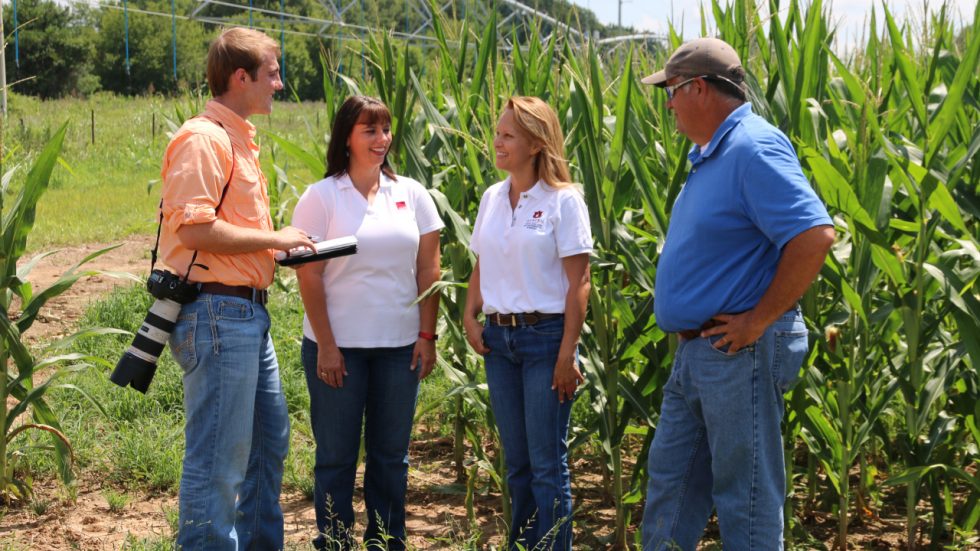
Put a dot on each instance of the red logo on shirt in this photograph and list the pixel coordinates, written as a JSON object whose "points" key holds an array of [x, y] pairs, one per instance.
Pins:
{"points": [[538, 213], [400, 204]]}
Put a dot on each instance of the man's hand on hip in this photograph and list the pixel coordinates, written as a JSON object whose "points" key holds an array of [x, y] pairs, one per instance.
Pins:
{"points": [[799, 263], [737, 330]]}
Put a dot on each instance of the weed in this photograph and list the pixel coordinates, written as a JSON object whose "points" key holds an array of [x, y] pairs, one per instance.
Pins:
{"points": [[132, 543], [39, 506], [117, 501], [172, 514]]}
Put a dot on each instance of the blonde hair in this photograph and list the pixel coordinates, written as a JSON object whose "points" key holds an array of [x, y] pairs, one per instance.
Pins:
{"points": [[540, 123], [237, 48]]}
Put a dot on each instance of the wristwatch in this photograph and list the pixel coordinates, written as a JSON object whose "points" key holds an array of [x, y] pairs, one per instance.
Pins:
{"points": [[428, 336]]}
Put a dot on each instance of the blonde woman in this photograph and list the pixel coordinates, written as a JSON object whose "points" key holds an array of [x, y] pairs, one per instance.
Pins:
{"points": [[531, 282]]}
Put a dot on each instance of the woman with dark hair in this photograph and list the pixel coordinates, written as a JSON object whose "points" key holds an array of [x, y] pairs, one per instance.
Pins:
{"points": [[366, 345]]}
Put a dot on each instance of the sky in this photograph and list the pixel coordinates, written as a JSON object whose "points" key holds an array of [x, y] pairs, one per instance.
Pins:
{"points": [[652, 15]]}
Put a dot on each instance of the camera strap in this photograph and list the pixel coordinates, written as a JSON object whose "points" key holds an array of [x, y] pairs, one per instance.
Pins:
{"points": [[224, 190]]}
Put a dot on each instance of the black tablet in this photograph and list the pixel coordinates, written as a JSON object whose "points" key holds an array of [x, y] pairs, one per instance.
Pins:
{"points": [[331, 248]]}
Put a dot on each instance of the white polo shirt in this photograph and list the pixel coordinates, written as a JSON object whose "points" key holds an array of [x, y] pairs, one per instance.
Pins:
{"points": [[370, 294], [521, 249]]}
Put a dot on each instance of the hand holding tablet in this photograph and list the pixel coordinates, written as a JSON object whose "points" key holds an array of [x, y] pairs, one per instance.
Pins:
{"points": [[331, 248]]}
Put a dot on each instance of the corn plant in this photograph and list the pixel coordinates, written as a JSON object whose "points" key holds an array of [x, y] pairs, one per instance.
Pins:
{"points": [[453, 159], [20, 393], [888, 137], [620, 321]]}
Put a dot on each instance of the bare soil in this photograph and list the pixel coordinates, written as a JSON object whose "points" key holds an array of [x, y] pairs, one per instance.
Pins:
{"points": [[60, 315], [436, 510]]}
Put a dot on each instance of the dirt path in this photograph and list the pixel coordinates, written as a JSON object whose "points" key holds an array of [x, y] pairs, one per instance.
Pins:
{"points": [[89, 524], [60, 315]]}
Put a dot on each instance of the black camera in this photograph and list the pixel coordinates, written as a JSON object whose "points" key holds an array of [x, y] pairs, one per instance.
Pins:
{"points": [[139, 363]]}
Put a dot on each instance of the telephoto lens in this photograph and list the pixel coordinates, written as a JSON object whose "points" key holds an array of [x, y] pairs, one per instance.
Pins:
{"points": [[139, 363]]}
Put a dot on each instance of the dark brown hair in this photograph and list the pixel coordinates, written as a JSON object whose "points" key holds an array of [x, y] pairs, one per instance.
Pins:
{"points": [[236, 48], [356, 109]]}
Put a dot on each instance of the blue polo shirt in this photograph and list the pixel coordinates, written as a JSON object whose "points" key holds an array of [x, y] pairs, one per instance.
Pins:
{"points": [[744, 199]]}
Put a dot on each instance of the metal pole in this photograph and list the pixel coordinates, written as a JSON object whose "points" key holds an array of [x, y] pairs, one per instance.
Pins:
{"points": [[250, 14], [3, 65], [173, 26], [282, 40], [16, 38], [126, 25], [363, 66]]}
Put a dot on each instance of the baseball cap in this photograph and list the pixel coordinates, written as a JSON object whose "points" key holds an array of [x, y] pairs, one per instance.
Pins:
{"points": [[701, 56]]}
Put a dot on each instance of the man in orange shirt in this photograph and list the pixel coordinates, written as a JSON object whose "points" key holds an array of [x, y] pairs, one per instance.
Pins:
{"points": [[218, 232]]}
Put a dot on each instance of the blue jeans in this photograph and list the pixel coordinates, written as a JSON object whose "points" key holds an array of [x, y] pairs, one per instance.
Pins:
{"points": [[237, 427], [533, 427], [719, 443], [381, 389]]}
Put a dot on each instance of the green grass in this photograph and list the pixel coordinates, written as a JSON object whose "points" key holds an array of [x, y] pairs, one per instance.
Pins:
{"points": [[137, 445], [116, 500], [102, 193], [8, 544], [138, 442]]}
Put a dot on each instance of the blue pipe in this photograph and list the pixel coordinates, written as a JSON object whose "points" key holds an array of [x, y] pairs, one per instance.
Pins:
{"points": [[126, 16], [282, 40], [173, 26], [16, 38]]}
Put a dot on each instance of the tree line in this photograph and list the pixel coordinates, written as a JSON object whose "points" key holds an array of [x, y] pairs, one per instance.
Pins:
{"points": [[59, 49]]}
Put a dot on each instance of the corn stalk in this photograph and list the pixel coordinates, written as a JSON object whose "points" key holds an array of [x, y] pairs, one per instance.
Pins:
{"points": [[888, 136], [20, 394]]}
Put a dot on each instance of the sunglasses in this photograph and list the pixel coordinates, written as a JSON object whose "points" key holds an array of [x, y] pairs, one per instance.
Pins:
{"points": [[675, 87]]}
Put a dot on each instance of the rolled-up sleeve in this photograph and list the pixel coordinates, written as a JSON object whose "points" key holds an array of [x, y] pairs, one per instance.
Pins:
{"points": [[194, 174]]}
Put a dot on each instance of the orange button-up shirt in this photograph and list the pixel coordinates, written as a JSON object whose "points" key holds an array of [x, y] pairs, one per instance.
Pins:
{"points": [[196, 167]]}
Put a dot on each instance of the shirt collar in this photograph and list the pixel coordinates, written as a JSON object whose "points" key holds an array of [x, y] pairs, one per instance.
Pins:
{"points": [[537, 190], [230, 120], [699, 154], [344, 181]]}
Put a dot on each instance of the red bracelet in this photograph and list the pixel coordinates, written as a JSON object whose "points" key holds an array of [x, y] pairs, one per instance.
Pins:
{"points": [[428, 336]]}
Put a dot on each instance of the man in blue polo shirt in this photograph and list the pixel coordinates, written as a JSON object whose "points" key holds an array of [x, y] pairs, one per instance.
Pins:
{"points": [[747, 236]]}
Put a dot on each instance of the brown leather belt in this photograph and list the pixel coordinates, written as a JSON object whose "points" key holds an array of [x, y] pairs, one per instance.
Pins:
{"points": [[260, 296], [690, 334], [519, 320]]}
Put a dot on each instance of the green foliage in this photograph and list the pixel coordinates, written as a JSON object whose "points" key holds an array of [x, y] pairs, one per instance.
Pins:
{"points": [[136, 440], [119, 165], [116, 176], [55, 46], [892, 152], [80, 49], [117, 501], [887, 135], [150, 51], [20, 394]]}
